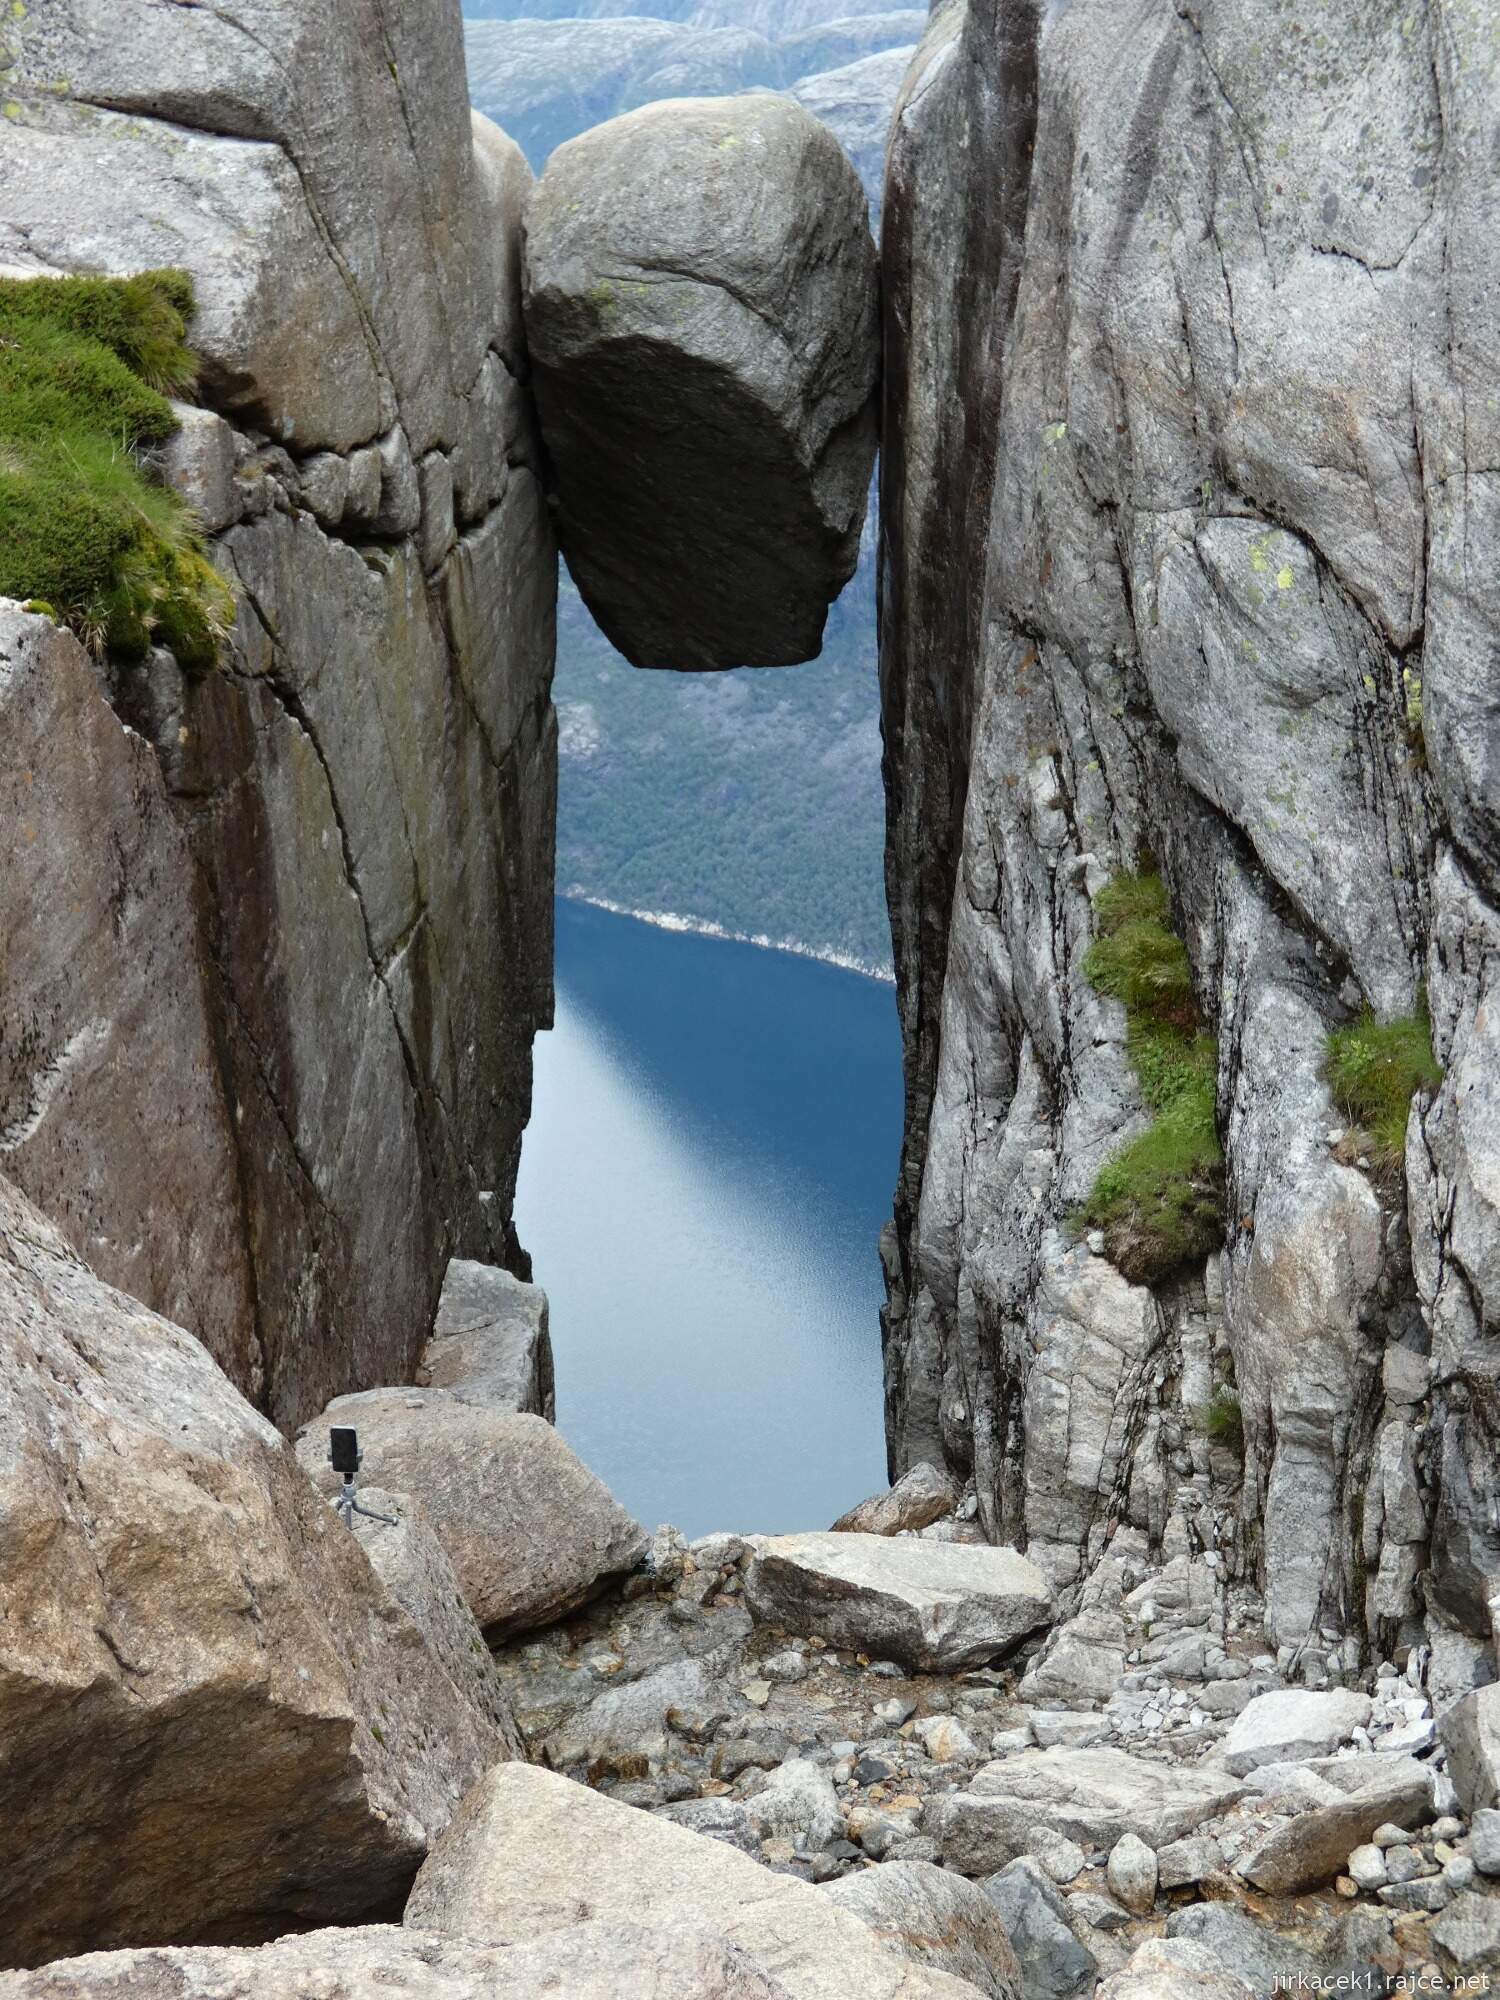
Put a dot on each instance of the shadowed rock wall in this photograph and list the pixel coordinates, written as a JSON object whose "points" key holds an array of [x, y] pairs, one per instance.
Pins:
{"points": [[342, 862]]}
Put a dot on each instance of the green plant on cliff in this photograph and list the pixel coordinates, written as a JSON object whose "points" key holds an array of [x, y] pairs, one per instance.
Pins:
{"points": [[1160, 1201], [86, 525], [1374, 1069], [1222, 1421]]}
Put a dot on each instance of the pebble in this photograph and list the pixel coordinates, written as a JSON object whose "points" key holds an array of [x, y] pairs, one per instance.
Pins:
{"points": [[1183, 1863], [1430, 1893], [758, 1693], [744, 1754], [788, 1666], [947, 1741], [1006, 1742], [1367, 1867], [1390, 1836], [1484, 1840], [1101, 1912], [1063, 1859], [1132, 1874], [1403, 1863], [895, 1711]]}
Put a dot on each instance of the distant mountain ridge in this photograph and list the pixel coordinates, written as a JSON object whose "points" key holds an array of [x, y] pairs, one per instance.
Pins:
{"points": [[547, 77]]}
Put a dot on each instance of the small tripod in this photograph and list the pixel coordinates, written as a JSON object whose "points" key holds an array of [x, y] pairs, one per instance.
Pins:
{"points": [[345, 1457]]}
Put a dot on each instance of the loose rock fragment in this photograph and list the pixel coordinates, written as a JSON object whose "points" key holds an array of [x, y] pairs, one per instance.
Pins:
{"points": [[933, 1606], [490, 1343]]}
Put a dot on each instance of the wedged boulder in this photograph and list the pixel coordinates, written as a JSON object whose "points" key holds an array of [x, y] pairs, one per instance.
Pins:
{"points": [[935, 1919], [591, 1961], [1291, 1724], [214, 1719], [530, 1853], [701, 312], [1309, 1850], [1089, 1796], [917, 1499], [530, 1531], [490, 1342], [933, 1606]]}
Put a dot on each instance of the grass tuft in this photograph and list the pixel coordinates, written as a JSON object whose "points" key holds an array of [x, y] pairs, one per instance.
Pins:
{"points": [[1222, 1421], [1374, 1069], [85, 526], [1160, 1201]]}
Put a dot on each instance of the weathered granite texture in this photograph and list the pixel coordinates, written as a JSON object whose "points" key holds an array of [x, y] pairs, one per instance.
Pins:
{"points": [[701, 310], [215, 1719], [330, 970], [593, 1961], [1189, 517]]}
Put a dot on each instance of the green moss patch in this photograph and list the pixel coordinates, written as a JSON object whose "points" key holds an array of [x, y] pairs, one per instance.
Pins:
{"points": [[1374, 1069], [1159, 1202], [86, 525]]}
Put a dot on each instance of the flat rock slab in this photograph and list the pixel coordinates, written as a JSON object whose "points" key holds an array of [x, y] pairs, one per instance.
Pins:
{"points": [[1312, 1848], [1093, 1797], [530, 1531], [594, 1961], [490, 1342], [240, 1727], [1291, 1724], [702, 318], [935, 1607], [531, 1853], [1175, 1969]]}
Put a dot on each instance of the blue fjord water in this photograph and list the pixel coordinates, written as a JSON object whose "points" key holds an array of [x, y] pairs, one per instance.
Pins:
{"points": [[710, 1158]]}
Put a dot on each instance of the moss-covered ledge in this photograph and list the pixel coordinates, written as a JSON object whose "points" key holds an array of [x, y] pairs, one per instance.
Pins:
{"points": [[1160, 1201], [88, 530]]}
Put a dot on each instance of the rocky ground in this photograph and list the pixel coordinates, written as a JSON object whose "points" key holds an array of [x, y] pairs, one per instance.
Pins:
{"points": [[886, 1759], [1144, 1771]]}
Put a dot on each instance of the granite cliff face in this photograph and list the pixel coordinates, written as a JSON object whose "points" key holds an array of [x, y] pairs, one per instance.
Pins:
{"points": [[267, 1061], [1189, 512]]}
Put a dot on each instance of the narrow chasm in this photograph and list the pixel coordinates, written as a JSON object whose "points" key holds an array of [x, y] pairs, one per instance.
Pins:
{"points": [[589, 974]]}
